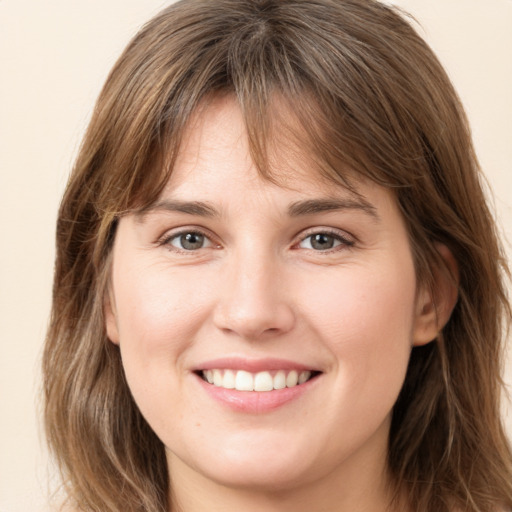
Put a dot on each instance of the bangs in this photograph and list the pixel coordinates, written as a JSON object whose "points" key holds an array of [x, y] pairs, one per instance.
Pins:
{"points": [[333, 101]]}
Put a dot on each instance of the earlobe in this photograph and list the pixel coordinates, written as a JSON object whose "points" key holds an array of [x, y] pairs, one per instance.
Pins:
{"points": [[434, 305], [111, 320]]}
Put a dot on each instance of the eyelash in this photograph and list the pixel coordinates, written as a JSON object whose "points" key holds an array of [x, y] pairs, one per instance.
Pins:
{"points": [[345, 242], [167, 239]]}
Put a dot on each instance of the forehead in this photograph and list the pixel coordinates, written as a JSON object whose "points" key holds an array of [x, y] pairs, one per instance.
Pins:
{"points": [[214, 170], [216, 138]]}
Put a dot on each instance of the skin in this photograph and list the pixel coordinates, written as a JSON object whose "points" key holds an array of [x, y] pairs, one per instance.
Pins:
{"points": [[256, 289]]}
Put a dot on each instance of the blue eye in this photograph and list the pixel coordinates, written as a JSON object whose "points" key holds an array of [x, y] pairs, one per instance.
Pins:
{"points": [[189, 241], [324, 241]]}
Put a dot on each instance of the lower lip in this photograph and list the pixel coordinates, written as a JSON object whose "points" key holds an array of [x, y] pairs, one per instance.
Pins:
{"points": [[256, 402]]}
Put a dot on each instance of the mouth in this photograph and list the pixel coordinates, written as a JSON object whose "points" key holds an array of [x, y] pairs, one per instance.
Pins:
{"points": [[262, 381], [256, 386]]}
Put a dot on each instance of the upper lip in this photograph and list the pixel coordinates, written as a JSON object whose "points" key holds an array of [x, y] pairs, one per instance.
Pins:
{"points": [[253, 365]]}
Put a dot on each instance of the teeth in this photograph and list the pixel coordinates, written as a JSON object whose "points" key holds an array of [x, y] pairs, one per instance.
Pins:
{"points": [[304, 376], [280, 380], [261, 381], [217, 378], [292, 379], [229, 380], [244, 381]]}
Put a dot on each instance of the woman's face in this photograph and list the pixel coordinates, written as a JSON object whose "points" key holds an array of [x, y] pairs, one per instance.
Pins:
{"points": [[231, 278]]}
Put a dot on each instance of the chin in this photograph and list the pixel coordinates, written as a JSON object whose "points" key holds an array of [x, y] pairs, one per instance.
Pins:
{"points": [[251, 467], [269, 477]]}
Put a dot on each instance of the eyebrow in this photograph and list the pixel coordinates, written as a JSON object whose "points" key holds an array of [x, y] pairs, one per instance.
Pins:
{"points": [[312, 206], [296, 209], [197, 208]]}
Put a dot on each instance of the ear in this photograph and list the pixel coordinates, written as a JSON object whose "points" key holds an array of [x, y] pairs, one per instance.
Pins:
{"points": [[110, 315], [434, 306]]}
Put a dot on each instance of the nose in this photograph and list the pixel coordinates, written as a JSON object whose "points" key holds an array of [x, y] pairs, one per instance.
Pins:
{"points": [[255, 302]]}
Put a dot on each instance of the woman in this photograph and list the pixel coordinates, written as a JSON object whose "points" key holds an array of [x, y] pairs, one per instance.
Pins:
{"points": [[278, 284]]}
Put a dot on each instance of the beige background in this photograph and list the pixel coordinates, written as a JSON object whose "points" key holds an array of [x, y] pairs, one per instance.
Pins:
{"points": [[54, 57]]}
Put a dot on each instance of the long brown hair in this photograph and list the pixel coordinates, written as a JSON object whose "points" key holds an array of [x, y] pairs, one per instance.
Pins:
{"points": [[367, 94]]}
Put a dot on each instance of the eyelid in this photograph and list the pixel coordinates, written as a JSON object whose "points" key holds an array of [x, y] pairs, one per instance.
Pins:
{"points": [[165, 239], [347, 240]]}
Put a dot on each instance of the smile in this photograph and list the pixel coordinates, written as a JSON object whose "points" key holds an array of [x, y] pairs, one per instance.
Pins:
{"points": [[262, 381]]}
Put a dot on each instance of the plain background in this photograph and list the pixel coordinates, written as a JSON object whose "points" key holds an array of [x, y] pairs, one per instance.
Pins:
{"points": [[54, 58]]}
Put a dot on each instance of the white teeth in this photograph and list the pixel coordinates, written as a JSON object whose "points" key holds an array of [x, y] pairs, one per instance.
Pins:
{"points": [[244, 381], [261, 381], [280, 380], [292, 379], [304, 376], [217, 378], [229, 380]]}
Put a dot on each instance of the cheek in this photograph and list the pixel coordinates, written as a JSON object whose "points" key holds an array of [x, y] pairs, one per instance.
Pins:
{"points": [[366, 319], [363, 301], [157, 309], [158, 316]]}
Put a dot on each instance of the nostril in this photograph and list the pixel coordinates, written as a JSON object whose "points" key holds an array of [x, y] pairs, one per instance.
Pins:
{"points": [[255, 323]]}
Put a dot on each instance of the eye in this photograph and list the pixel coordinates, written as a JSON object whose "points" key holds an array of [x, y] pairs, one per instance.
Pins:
{"points": [[324, 241], [188, 241]]}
